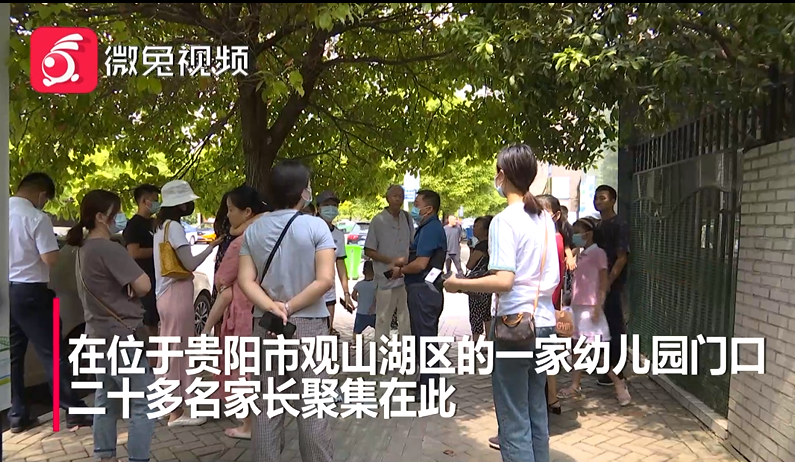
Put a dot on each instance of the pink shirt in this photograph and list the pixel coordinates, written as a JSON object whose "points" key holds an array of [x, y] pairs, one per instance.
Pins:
{"points": [[585, 282]]}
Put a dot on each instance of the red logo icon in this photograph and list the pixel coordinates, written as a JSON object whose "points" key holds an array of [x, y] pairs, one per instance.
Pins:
{"points": [[63, 60]]}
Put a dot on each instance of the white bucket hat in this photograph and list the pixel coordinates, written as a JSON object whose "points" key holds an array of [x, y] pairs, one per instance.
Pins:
{"points": [[176, 192]]}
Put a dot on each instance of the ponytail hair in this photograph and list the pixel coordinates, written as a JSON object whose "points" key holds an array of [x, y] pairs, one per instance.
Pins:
{"points": [[520, 166], [96, 201]]}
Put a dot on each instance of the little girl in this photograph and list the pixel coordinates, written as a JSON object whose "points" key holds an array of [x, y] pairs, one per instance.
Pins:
{"points": [[589, 288]]}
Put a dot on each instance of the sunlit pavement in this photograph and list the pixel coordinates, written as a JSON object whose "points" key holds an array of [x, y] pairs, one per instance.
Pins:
{"points": [[655, 428]]}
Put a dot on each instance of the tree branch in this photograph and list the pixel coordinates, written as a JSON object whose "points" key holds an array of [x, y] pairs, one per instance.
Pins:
{"points": [[385, 61]]}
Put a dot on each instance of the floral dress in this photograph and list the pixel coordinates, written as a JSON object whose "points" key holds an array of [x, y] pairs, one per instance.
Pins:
{"points": [[219, 254]]}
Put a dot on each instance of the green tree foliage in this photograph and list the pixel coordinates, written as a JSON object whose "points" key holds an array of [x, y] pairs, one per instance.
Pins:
{"points": [[341, 86], [562, 64], [467, 183]]}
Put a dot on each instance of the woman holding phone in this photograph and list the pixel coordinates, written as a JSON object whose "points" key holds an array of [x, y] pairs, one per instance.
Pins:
{"points": [[286, 267]]}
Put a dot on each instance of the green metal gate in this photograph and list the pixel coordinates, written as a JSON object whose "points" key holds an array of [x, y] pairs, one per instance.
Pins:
{"points": [[685, 242]]}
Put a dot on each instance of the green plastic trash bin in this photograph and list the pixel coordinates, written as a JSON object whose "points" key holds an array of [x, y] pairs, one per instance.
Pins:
{"points": [[353, 257]]}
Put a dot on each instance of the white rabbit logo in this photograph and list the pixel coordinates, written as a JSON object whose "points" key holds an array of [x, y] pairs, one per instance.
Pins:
{"points": [[66, 43]]}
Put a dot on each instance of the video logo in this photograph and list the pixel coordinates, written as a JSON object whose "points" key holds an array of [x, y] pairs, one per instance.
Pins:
{"points": [[64, 60]]}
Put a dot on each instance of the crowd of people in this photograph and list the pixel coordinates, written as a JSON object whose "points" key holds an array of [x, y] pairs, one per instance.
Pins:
{"points": [[278, 254]]}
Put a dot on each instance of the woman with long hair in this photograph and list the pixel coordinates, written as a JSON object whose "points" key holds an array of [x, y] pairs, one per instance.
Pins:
{"points": [[175, 294], [524, 276], [110, 284], [286, 267], [244, 206]]}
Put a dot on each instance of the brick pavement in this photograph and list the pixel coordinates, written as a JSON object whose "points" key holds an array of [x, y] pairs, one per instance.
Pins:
{"points": [[655, 428]]}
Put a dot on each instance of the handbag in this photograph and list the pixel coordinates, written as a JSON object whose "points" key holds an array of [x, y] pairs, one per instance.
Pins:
{"points": [[170, 264], [564, 323], [519, 330], [273, 252], [139, 334]]}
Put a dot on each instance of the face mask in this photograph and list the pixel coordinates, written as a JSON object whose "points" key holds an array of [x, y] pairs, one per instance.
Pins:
{"points": [[475, 241], [415, 214], [154, 208], [42, 202], [329, 212], [499, 189], [188, 211], [307, 196], [578, 240]]}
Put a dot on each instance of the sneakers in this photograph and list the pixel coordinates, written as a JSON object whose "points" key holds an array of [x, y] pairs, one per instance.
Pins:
{"points": [[622, 394], [494, 442], [185, 421]]}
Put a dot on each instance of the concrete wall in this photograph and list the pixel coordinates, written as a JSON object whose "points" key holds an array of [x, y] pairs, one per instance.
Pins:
{"points": [[762, 407]]}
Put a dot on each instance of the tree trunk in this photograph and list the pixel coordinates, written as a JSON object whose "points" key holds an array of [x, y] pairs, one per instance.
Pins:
{"points": [[258, 149]]}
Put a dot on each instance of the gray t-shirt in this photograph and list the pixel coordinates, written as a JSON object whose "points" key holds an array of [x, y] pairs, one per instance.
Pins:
{"points": [[293, 265], [390, 236], [453, 239], [107, 270]]}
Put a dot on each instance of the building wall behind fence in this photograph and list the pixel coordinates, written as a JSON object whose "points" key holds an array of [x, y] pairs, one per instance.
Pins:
{"points": [[762, 407]]}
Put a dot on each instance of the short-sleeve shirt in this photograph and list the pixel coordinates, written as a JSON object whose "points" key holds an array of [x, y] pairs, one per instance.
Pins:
{"points": [[586, 281], [429, 241], [293, 266], [177, 238], [612, 235], [366, 297], [140, 231], [339, 243], [516, 243], [30, 235], [107, 270], [390, 236], [453, 234]]}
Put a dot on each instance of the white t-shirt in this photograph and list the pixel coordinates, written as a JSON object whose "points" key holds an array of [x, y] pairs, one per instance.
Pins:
{"points": [[177, 238], [515, 244], [30, 235], [339, 242]]}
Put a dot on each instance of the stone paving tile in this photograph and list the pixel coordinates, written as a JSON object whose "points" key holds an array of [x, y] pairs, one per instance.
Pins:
{"points": [[592, 428]]}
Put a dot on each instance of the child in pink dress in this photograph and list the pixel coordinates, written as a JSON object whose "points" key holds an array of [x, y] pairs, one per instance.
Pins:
{"points": [[589, 289]]}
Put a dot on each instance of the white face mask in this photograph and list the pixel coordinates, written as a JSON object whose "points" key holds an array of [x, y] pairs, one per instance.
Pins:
{"points": [[475, 241]]}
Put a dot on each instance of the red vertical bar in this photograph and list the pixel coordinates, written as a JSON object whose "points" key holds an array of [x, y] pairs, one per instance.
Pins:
{"points": [[56, 365]]}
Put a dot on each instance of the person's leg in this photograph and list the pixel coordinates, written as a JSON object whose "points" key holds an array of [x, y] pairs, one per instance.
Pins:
{"points": [[447, 264], [315, 440], [141, 427], [399, 299], [429, 302], [457, 263], [475, 321], [330, 306], [105, 424], [510, 388], [267, 433], [537, 411], [18, 415], [615, 322], [384, 309]]}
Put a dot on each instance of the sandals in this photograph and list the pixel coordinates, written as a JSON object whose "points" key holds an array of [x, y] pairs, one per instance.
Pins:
{"points": [[555, 408], [569, 392], [237, 434]]}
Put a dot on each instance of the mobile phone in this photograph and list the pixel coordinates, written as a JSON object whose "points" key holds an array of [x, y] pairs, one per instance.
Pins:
{"points": [[347, 307], [388, 274], [273, 324]]}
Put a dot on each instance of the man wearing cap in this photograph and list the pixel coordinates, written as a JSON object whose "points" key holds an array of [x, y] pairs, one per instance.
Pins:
{"points": [[328, 209]]}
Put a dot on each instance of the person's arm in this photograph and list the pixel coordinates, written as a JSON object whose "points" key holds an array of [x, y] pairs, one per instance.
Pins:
{"points": [[176, 236], [251, 288], [135, 251], [126, 271], [222, 302], [355, 294], [621, 253], [571, 262], [47, 245], [133, 238], [502, 263], [474, 258], [226, 275], [324, 281], [342, 274]]}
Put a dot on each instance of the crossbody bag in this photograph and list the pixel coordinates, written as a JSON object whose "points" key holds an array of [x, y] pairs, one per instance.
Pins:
{"points": [[268, 262]]}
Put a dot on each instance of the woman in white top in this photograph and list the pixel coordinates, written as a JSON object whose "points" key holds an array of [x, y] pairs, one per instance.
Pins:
{"points": [[524, 273], [175, 296]]}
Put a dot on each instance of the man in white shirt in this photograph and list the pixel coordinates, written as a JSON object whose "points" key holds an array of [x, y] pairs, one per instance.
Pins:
{"points": [[387, 245], [32, 251]]}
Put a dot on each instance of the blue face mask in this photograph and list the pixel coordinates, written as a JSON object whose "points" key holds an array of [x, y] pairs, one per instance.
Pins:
{"points": [[415, 214], [578, 240], [119, 223], [499, 189], [155, 207], [329, 212]]}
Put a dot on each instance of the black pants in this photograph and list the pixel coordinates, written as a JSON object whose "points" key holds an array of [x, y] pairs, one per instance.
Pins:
{"points": [[615, 321], [31, 321], [453, 259], [425, 303]]}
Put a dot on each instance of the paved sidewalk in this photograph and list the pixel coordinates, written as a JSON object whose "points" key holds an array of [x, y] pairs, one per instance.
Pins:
{"points": [[655, 428]]}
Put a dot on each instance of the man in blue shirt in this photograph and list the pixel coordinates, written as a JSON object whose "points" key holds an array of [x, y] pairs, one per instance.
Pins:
{"points": [[427, 251]]}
